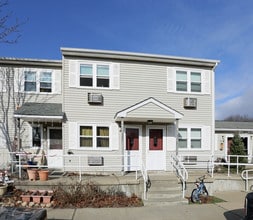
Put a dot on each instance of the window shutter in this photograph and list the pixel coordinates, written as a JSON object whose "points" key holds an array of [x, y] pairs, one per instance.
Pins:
{"points": [[115, 76], [2, 83], [206, 82], [206, 137], [18, 80], [114, 136], [73, 73], [171, 137], [2, 140], [73, 135], [171, 79], [56, 81]]}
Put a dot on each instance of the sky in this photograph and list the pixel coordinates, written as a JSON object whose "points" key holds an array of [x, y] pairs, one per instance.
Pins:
{"points": [[207, 29]]}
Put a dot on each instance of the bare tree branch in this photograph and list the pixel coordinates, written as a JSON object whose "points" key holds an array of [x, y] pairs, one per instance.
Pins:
{"points": [[9, 33]]}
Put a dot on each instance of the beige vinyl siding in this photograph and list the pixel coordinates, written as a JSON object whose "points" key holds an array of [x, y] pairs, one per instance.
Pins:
{"points": [[144, 112], [138, 81]]}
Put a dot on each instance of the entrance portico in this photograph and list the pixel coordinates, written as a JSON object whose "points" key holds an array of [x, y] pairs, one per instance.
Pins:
{"points": [[148, 131]]}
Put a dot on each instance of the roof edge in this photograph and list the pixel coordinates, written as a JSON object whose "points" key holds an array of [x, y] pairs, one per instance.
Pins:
{"points": [[30, 62], [138, 57]]}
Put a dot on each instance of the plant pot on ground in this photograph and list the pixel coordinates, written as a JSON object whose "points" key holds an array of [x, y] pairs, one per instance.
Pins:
{"points": [[32, 174], [3, 189], [43, 174]]}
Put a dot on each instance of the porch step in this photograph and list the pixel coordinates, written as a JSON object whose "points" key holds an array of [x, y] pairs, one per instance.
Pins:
{"points": [[164, 190]]}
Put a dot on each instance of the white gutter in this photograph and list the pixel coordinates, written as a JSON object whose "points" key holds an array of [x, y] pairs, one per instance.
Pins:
{"points": [[38, 117]]}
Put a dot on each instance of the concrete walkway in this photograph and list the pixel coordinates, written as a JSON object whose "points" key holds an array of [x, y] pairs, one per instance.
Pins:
{"points": [[232, 209]]}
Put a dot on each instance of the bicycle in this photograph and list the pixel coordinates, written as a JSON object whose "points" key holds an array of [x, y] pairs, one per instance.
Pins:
{"points": [[199, 191]]}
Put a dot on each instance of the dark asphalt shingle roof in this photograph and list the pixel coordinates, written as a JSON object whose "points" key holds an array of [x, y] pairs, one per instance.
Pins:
{"points": [[235, 125], [40, 109]]}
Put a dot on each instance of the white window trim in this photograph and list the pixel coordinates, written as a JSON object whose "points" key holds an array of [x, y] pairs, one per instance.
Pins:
{"points": [[188, 72], [94, 147], [172, 82], [188, 148], [94, 72], [38, 73]]}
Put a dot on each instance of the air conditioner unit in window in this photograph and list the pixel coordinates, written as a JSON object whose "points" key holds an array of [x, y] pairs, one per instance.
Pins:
{"points": [[95, 98], [190, 102]]}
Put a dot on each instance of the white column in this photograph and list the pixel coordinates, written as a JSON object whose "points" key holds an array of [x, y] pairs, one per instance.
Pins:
{"points": [[122, 143]]}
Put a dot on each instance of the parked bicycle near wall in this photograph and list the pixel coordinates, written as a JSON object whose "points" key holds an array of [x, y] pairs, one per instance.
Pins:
{"points": [[199, 191]]}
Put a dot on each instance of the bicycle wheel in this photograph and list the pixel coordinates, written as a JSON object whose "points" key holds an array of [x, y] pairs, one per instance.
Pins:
{"points": [[194, 196]]}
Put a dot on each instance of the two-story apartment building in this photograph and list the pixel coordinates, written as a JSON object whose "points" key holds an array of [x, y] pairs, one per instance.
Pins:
{"points": [[129, 109]]}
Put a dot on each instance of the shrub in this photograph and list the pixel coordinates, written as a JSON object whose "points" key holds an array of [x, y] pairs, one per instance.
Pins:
{"points": [[81, 195]]}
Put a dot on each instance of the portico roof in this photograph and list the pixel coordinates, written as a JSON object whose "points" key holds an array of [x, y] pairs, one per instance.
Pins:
{"points": [[31, 111], [148, 109]]}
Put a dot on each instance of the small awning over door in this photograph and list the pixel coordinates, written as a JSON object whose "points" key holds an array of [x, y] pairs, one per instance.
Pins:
{"points": [[149, 109], [31, 111]]}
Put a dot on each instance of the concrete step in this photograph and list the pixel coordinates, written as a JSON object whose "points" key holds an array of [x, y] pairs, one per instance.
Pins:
{"points": [[166, 201], [164, 190], [164, 195]]}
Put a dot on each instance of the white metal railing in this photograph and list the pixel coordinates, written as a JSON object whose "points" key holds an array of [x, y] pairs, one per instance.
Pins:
{"points": [[145, 177], [181, 171], [179, 163], [227, 162], [245, 175]]}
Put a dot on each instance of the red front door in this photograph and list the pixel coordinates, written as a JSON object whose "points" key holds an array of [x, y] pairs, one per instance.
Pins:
{"points": [[132, 139], [155, 139]]}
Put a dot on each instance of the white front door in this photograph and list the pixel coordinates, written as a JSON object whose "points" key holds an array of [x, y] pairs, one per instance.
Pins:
{"points": [[55, 152], [132, 159], [156, 157]]}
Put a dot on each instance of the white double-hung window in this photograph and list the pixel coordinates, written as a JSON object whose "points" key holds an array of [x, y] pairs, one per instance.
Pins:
{"points": [[189, 138], [182, 80], [187, 81], [38, 81], [46, 82], [95, 75], [30, 84], [94, 137], [195, 81]]}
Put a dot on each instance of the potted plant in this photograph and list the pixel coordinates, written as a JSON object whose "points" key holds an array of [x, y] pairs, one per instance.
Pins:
{"points": [[3, 188]]}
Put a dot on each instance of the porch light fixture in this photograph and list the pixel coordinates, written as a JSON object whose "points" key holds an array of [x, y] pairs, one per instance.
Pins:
{"points": [[149, 122]]}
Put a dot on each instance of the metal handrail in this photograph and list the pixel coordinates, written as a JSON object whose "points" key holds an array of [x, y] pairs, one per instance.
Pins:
{"points": [[144, 173], [181, 171], [246, 177]]}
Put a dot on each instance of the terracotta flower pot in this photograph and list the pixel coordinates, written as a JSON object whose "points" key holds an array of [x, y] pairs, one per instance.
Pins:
{"points": [[26, 198], [3, 189], [32, 174], [43, 174]]}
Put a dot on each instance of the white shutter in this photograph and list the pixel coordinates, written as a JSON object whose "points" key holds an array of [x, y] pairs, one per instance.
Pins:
{"points": [[206, 137], [73, 135], [3, 79], [171, 79], [115, 76], [206, 82], [114, 136], [56, 81], [73, 73], [171, 137], [2, 140]]}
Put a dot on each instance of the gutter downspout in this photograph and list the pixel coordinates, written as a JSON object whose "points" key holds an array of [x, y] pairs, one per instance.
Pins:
{"points": [[122, 145], [177, 137], [213, 110]]}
